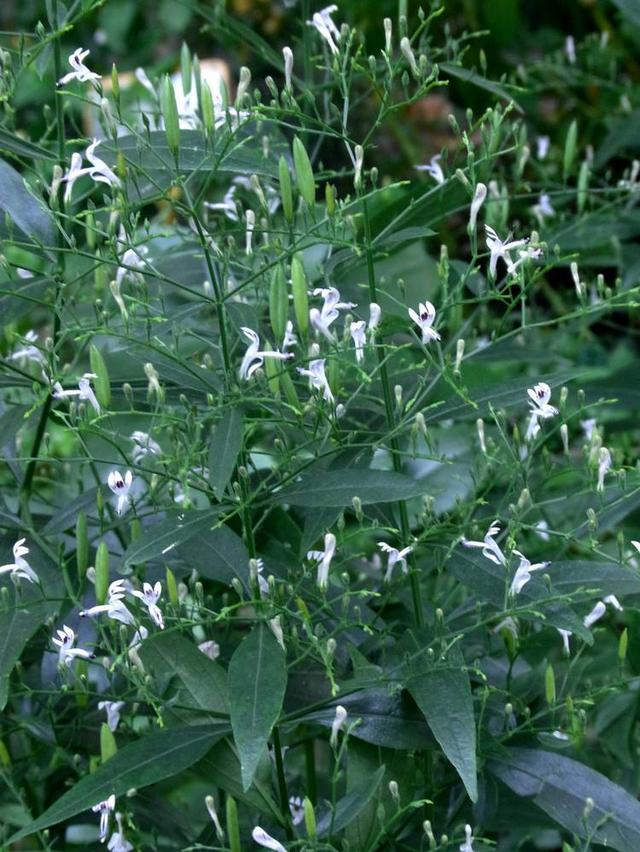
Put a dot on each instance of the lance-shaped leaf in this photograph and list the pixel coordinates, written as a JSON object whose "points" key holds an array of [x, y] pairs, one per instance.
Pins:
{"points": [[257, 682], [26, 214], [339, 487], [225, 444]]}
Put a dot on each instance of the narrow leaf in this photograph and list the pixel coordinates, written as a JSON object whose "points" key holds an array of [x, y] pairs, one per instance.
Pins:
{"points": [[339, 487], [225, 444]]}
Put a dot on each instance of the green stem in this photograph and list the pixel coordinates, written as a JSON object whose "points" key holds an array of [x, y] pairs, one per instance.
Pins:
{"points": [[310, 770], [391, 425], [282, 784]]}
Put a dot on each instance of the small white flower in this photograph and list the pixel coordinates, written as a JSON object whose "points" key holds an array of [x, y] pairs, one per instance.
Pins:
{"points": [[570, 49], [115, 607], [29, 352], [523, 573], [500, 249], [210, 649], [323, 23], [323, 558], [105, 810], [337, 724], [433, 169], [121, 486], [117, 841], [375, 313], [80, 71], [84, 391], [289, 337], [150, 595], [132, 260], [100, 171], [588, 427], [74, 172], [613, 601], [318, 378], [559, 735], [394, 557], [566, 636], [112, 709], [596, 613], [359, 162], [250, 221], [424, 320], [228, 205], [266, 840], [539, 396], [143, 445], [20, 567], [288, 67], [210, 805], [358, 335], [490, 548], [542, 146], [467, 846], [296, 809], [253, 357], [388, 33], [66, 652], [409, 55], [604, 466], [543, 208], [580, 286], [321, 320], [541, 530], [478, 200]]}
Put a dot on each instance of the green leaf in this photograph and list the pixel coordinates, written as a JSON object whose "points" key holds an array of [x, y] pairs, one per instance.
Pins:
{"points": [[351, 805], [561, 786], [147, 761], [167, 655], [220, 554], [27, 214], [257, 681], [443, 693], [339, 487], [160, 539], [14, 144], [630, 10], [467, 75], [224, 446]]}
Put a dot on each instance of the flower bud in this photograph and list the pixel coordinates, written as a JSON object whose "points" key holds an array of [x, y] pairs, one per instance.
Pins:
{"points": [[623, 643], [481, 436], [459, 355], [564, 434], [407, 52], [550, 685], [243, 85], [330, 199], [394, 792], [172, 588], [388, 33], [309, 818], [304, 172], [207, 109], [357, 508]]}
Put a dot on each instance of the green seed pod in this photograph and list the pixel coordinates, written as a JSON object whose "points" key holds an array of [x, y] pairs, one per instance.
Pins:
{"points": [[170, 115], [272, 369], [115, 83], [286, 193], [286, 384], [82, 545], [101, 382], [570, 149], [623, 644], [550, 685], [300, 298], [185, 68], [309, 818], [102, 572], [583, 186], [233, 827], [278, 303], [330, 199], [172, 588], [108, 746], [304, 172], [208, 112]]}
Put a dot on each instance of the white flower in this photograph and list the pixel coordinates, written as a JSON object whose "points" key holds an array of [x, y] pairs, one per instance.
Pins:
{"points": [[253, 357], [84, 392], [337, 724], [543, 208], [560, 736], [112, 709], [322, 22], [117, 841], [613, 601], [150, 596], [228, 205], [604, 466], [323, 558], [388, 32], [542, 144], [490, 548], [28, 352], [74, 172], [131, 261], [289, 337], [424, 320], [100, 171], [210, 805], [570, 49], [288, 67], [588, 427], [566, 636], [266, 840], [138, 638], [577, 283], [358, 334], [539, 396], [318, 378], [120, 486], [500, 249], [105, 809], [115, 607], [523, 573], [394, 557], [80, 71], [20, 567], [433, 169], [322, 319], [541, 530], [596, 613], [210, 649], [296, 809], [66, 652], [143, 444], [467, 846], [375, 312], [478, 200], [250, 221]]}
